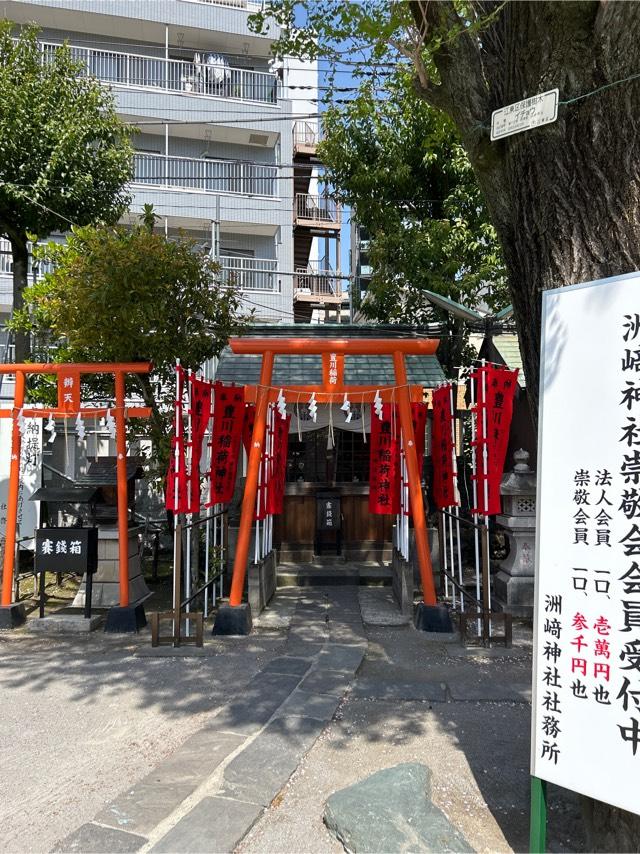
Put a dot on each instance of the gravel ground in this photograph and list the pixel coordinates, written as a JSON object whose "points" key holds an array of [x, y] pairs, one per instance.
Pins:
{"points": [[84, 718]]}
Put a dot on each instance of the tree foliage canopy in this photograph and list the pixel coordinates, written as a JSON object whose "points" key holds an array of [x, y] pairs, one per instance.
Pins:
{"points": [[564, 198], [128, 294], [64, 153], [399, 163], [65, 156]]}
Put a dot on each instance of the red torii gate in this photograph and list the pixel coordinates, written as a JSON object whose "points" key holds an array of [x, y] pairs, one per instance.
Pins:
{"points": [[333, 386], [12, 614]]}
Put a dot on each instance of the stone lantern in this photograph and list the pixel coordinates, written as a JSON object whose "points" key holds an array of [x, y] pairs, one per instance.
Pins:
{"points": [[514, 583]]}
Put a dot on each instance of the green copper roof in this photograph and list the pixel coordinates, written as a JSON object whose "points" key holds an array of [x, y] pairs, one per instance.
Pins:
{"points": [[290, 370]]}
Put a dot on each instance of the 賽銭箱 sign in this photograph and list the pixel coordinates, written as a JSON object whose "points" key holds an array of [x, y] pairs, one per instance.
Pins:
{"points": [[524, 115], [586, 684]]}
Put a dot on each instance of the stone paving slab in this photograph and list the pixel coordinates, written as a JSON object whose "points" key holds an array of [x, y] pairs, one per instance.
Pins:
{"points": [[94, 839], [334, 682], [255, 705], [374, 689], [306, 704], [468, 689], [214, 825], [150, 801], [288, 666], [262, 769], [341, 657]]}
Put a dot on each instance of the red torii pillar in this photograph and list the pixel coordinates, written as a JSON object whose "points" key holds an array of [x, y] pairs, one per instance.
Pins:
{"points": [[12, 614], [398, 348]]}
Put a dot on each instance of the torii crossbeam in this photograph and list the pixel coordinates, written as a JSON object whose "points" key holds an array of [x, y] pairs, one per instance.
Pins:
{"points": [[333, 353], [120, 370]]}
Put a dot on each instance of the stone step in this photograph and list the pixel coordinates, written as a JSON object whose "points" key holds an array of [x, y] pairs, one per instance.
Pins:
{"points": [[319, 575]]}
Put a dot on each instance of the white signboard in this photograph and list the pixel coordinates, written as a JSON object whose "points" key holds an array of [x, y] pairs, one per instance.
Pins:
{"points": [[30, 473], [586, 682], [525, 115]]}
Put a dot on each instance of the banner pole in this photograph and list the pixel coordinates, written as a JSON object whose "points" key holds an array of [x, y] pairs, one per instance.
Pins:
{"points": [[538, 817]]}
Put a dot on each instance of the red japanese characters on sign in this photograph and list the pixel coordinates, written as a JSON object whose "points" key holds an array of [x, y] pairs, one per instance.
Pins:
{"points": [[444, 486], [69, 390], [225, 442], [384, 464]]}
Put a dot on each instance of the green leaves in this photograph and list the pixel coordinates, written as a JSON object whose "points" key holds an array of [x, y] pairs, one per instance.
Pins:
{"points": [[399, 164], [123, 295], [64, 153]]}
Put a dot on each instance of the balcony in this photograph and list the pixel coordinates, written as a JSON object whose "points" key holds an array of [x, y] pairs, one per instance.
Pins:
{"points": [[317, 212], [313, 284], [250, 274], [6, 271], [205, 175], [305, 138], [212, 77]]}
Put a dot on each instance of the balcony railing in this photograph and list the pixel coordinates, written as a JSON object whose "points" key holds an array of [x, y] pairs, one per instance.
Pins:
{"points": [[213, 77], [235, 4], [313, 281], [305, 135], [207, 176], [250, 274], [317, 210]]}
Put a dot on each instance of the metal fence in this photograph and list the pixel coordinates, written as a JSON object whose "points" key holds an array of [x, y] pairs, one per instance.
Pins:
{"points": [[212, 77], [250, 274], [206, 175]]}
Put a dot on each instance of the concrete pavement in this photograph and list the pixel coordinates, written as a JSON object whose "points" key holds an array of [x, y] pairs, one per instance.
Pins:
{"points": [[116, 747]]}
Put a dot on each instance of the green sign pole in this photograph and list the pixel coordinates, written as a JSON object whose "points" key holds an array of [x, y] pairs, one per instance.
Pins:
{"points": [[538, 820]]}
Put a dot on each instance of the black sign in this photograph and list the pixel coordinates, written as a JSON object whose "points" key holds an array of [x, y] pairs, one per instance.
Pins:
{"points": [[66, 550], [328, 512]]}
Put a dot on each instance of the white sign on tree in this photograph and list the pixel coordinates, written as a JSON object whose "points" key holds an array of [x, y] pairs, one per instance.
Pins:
{"points": [[586, 697], [524, 115]]}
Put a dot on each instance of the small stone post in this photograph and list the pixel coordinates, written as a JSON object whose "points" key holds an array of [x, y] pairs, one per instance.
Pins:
{"points": [[514, 583]]}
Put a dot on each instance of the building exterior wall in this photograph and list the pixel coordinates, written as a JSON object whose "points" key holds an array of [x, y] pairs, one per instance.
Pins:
{"points": [[212, 149]]}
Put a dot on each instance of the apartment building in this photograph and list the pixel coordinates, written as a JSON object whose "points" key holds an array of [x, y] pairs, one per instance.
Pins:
{"points": [[215, 151]]}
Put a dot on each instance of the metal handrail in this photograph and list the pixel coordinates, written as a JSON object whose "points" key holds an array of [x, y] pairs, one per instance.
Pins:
{"points": [[211, 80], [205, 174]]}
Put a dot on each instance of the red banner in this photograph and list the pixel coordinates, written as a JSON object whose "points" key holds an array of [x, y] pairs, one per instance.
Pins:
{"points": [[500, 384], [419, 418], [176, 493], [200, 415], [247, 426], [444, 487], [225, 442], [69, 390], [384, 463], [275, 484]]}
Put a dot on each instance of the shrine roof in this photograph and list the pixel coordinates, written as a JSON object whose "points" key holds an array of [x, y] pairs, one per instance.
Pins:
{"points": [[300, 369]]}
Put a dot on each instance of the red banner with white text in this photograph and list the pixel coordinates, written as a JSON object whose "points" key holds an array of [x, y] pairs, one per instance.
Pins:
{"points": [[384, 463], [277, 475], [200, 394], [226, 436], [444, 486], [495, 391]]}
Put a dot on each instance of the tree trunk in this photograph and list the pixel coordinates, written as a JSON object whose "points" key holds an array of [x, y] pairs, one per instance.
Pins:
{"points": [[20, 256], [564, 198]]}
